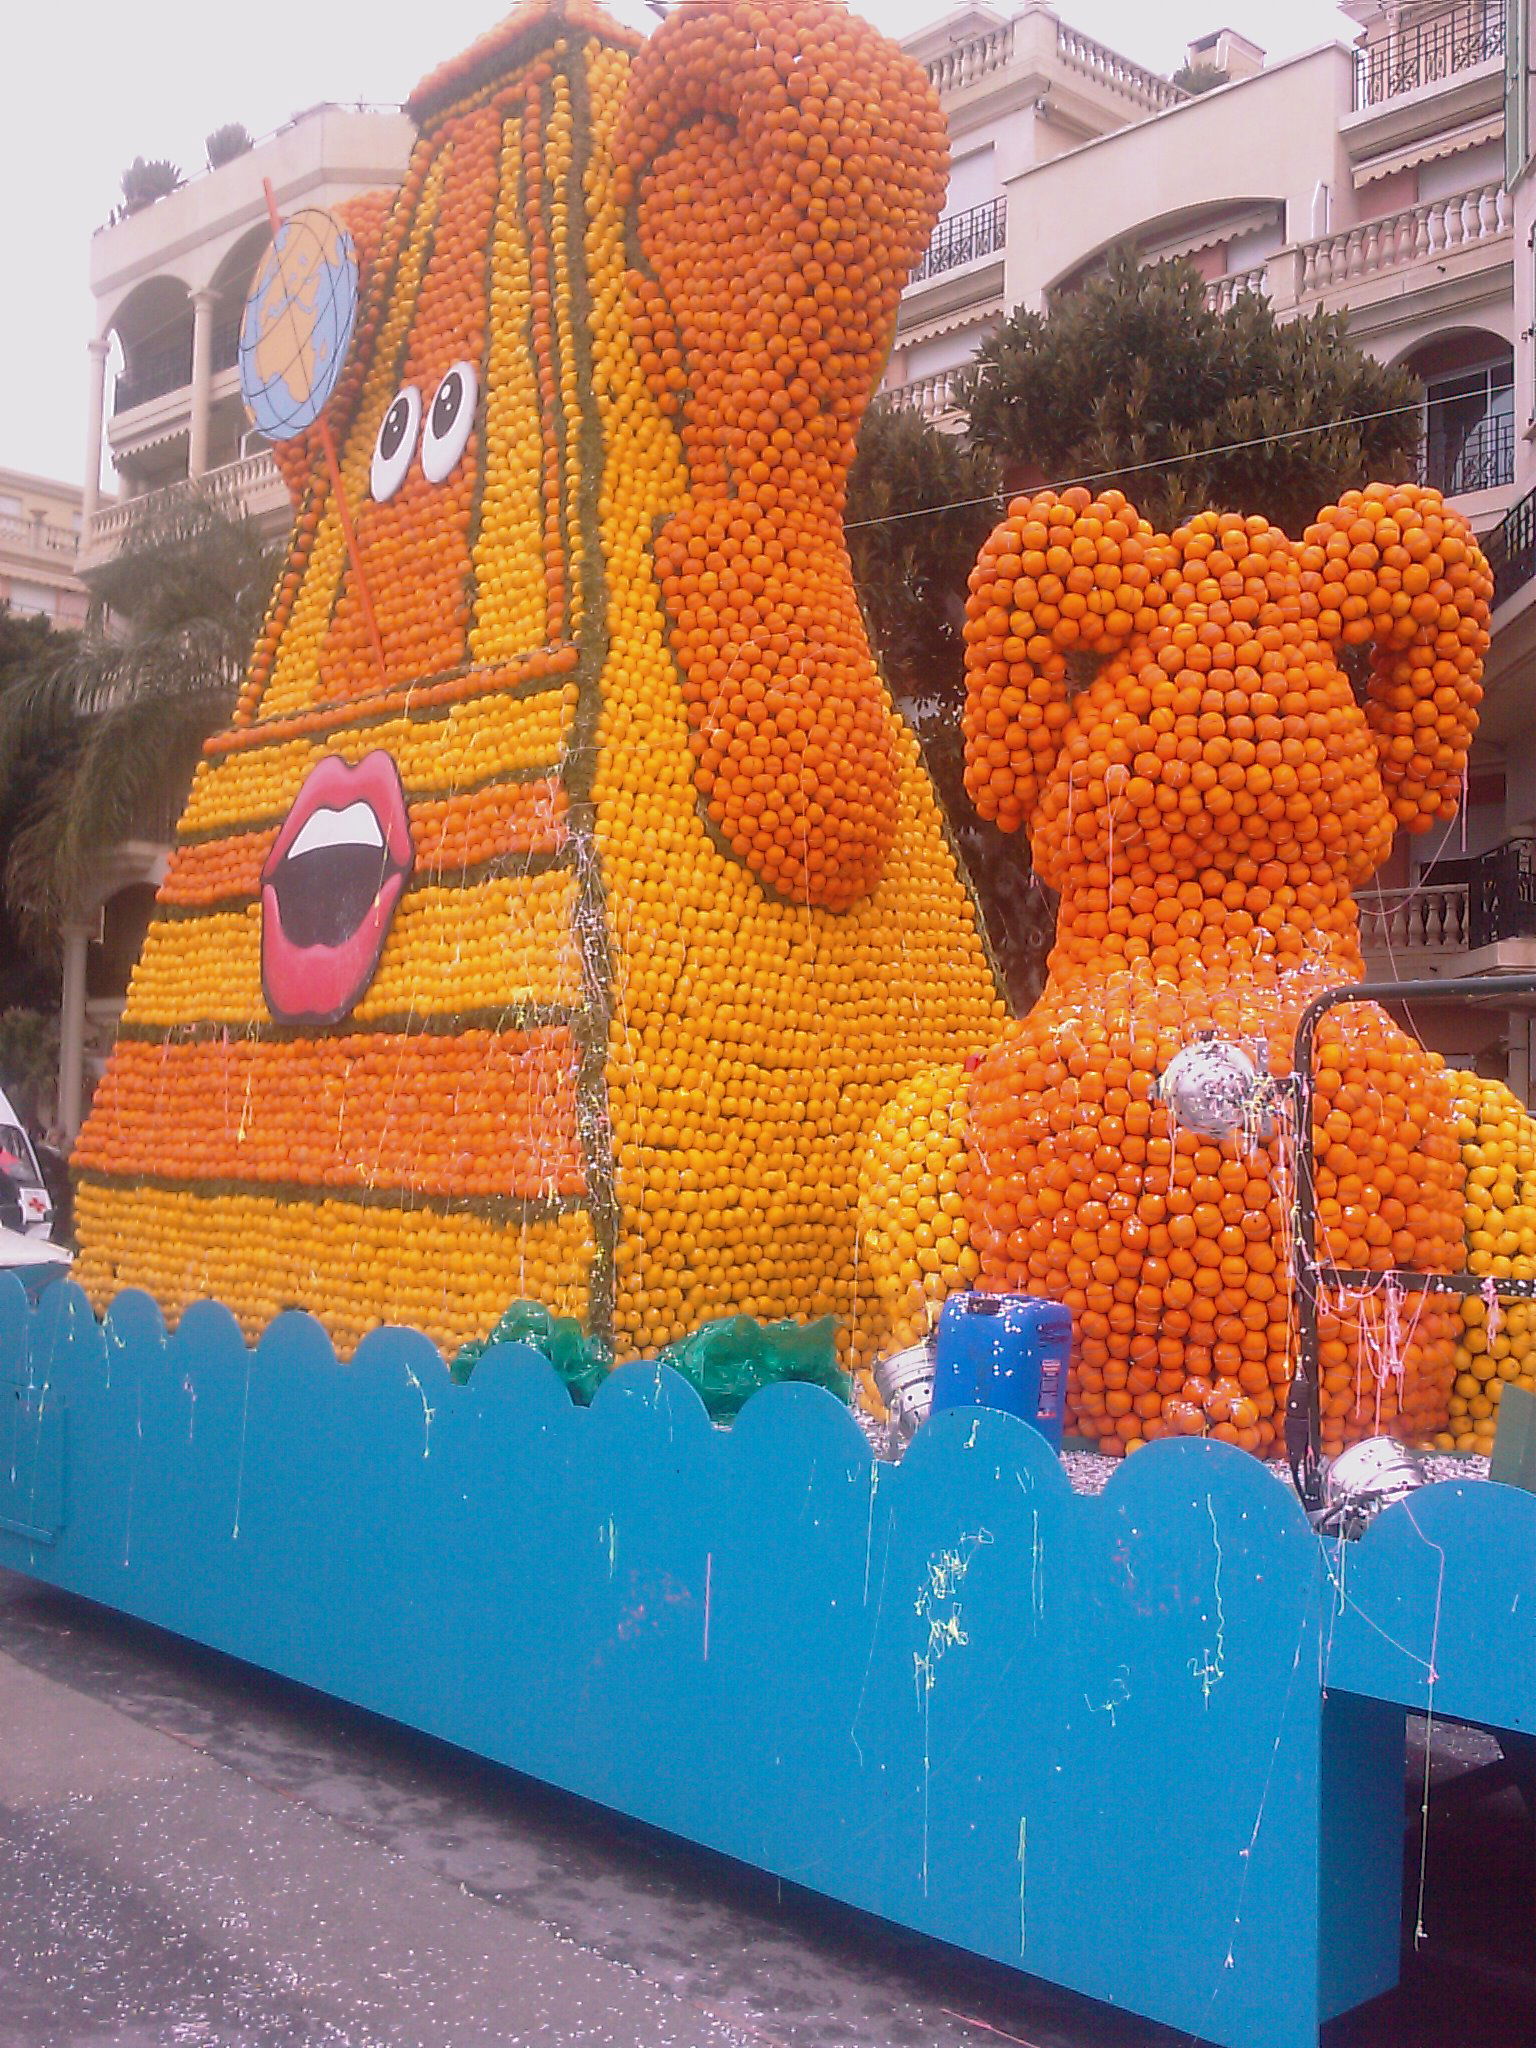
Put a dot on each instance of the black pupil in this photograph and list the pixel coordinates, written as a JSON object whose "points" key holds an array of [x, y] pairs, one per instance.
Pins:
{"points": [[396, 420], [445, 407]]}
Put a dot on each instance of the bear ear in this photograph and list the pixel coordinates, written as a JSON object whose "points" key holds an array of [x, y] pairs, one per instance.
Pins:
{"points": [[363, 216], [1063, 583], [1397, 570], [785, 164]]}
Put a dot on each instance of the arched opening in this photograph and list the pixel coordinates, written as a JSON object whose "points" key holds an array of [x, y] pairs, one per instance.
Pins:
{"points": [[153, 326], [124, 922], [1469, 410], [231, 285]]}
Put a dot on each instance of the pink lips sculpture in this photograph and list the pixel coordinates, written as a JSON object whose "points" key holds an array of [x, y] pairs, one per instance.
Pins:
{"points": [[330, 886]]}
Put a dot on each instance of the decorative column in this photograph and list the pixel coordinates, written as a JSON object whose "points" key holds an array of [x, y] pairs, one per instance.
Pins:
{"points": [[203, 305], [96, 406], [77, 938]]}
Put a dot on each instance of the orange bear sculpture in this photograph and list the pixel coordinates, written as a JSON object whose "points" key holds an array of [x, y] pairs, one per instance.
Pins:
{"points": [[1168, 718]]}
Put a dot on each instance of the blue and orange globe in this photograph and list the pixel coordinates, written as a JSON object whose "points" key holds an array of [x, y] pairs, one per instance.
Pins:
{"points": [[298, 323]]}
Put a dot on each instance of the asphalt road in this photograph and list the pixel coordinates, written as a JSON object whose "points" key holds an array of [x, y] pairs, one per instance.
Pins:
{"points": [[194, 1855]]}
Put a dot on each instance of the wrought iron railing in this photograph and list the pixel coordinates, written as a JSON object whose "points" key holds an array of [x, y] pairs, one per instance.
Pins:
{"points": [[1501, 897], [1428, 51], [1481, 460], [1511, 549], [151, 373], [979, 231]]}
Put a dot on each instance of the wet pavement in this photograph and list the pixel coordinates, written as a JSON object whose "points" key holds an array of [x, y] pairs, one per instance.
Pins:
{"points": [[195, 1855]]}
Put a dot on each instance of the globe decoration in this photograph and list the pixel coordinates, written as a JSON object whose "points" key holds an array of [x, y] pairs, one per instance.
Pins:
{"points": [[298, 323]]}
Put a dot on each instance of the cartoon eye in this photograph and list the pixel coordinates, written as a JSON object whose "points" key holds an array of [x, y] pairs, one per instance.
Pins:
{"points": [[449, 421], [396, 444]]}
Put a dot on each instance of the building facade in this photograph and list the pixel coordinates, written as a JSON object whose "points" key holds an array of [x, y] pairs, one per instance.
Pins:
{"points": [[170, 283], [1391, 181], [39, 538]]}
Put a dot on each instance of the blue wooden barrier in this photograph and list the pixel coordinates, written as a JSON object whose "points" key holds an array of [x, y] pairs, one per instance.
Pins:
{"points": [[1147, 1745]]}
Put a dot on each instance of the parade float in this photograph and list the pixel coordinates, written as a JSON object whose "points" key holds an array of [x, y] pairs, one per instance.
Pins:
{"points": [[563, 959]]}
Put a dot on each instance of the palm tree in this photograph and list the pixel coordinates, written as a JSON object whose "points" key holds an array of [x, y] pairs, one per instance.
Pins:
{"points": [[98, 739]]}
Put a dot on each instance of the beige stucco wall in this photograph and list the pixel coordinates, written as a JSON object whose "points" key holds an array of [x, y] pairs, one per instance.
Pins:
{"points": [[1270, 138]]}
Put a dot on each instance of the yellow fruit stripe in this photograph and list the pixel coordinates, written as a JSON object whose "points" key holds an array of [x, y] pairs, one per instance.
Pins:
{"points": [[492, 944], [511, 613], [295, 680], [480, 946], [557, 172], [492, 735], [200, 968], [753, 1042], [1497, 1345], [450, 1275], [911, 1214]]}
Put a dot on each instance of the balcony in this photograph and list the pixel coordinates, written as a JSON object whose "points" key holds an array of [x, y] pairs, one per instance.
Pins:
{"points": [[1108, 67], [153, 373], [252, 486], [982, 57], [1511, 550], [35, 537], [931, 398], [963, 237], [1502, 895], [1418, 234], [1429, 52], [1419, 927], [1481, 460], [1482, 925]]}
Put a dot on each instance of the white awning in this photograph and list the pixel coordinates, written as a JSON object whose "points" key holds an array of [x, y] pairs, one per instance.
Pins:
{"points": [[1448, 143]]}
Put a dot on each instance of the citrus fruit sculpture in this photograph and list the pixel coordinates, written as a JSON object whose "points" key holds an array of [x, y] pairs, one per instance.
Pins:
{"points": [[564, 943], [1168, 717]]}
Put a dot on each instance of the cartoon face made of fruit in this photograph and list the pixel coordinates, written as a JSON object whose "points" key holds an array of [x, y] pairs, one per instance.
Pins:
{"points": [[1168, 719], [564, 897]]}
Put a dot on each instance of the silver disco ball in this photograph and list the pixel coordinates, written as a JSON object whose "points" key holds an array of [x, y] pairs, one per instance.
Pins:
{"points": [[1363, 1480], [1213, 1088]]}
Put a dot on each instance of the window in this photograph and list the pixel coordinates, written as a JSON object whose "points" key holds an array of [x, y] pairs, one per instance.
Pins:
{"points": [[33, 597], [17, 1159], [1470, 429], [10, 507]]}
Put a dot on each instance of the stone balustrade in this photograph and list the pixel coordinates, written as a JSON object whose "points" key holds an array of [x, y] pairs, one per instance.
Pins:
{"points": [[1415, 235], [933, 398], [1431, 918], [252, 485], [1111, 69]]}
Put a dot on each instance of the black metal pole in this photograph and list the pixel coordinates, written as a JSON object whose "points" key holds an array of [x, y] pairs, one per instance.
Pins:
{"points": [[1304, 1404]]}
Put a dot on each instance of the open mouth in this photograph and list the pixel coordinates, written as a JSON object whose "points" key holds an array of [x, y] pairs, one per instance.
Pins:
{"points": [[330, 886]]}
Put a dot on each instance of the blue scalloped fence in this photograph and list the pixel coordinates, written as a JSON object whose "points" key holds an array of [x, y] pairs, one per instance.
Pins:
{"points": [[1148, 1745]]}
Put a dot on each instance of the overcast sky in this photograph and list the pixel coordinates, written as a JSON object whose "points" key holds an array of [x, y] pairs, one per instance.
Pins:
{"points": [[91, 85]]}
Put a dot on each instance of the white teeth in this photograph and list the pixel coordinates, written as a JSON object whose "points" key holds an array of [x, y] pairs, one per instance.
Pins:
{"points": [[355, 826]]}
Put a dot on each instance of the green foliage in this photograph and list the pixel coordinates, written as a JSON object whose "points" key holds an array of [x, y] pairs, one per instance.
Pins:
{"points": [[99, 733], [29, 1058], [1135, 370], [226, 143], [28, 644], [1199, 78], [147, 180], [910, 573]]}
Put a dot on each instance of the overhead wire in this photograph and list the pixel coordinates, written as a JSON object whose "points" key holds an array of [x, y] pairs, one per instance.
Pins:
{"points": [[1120, 469]]}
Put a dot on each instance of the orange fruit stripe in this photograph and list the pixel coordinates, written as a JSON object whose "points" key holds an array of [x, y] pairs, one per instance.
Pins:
{"points": [[505, 819], [480, 1114], [414, 548]]}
